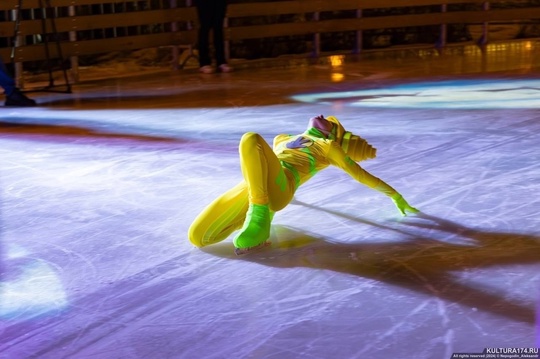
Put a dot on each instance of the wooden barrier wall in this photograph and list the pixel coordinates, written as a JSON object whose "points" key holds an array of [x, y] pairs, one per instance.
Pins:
{"points": [[28, 25]]}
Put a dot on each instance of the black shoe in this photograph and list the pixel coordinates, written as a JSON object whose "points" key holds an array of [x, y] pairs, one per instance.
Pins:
{"points": [[18, 99]]}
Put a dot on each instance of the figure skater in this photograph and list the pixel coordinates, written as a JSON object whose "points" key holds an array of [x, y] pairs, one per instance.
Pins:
{"points": [[272, 176]]}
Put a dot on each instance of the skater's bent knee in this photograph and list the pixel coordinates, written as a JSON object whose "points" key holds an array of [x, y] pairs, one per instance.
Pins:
{"points": [[250, 137], [195, 236], [200, 236]]}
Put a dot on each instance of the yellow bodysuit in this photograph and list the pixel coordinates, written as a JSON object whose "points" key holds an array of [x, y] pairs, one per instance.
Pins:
{"points": [[271, 176]]}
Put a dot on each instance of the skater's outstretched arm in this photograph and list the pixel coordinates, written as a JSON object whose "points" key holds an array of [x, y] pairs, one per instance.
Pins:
{"points": [[339, 158]]}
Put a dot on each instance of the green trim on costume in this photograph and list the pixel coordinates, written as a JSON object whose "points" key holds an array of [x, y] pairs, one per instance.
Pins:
{"points": [[312, 161], [312, 131], [281, 180], [294, 172], [349, 160], [346, 140]]}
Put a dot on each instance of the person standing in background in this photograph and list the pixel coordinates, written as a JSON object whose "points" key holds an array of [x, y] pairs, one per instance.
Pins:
{"points": [[211, 14], [14, 97]]}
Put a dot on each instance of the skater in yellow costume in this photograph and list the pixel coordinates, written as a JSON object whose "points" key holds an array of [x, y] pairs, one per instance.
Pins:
{"points": [[271, 177]]}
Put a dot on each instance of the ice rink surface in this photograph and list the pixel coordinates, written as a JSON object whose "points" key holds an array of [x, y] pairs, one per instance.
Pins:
{"points": [[99, 187]]}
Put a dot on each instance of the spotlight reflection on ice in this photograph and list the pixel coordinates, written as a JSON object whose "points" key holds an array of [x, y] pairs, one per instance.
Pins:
{"points": [[337, 77], [462, 94], [30, 287]]}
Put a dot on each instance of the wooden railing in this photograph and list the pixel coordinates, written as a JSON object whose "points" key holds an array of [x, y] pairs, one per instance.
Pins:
{"points": [[172, 23]]}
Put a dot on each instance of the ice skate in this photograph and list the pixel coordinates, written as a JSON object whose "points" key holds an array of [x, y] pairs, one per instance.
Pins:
{"points": [[256, 229], [242, 251]]}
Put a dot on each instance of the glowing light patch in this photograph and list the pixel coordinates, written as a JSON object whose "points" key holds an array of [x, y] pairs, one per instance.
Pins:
{"points": [[337, 77], [462, 94], [337, 60], [32, 287]]}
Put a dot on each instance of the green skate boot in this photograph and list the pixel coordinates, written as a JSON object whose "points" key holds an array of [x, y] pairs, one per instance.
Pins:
{"points": [[256, 229]]}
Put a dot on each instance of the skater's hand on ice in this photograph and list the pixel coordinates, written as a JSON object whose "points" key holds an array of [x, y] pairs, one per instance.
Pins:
{"points": [[402, 204]]}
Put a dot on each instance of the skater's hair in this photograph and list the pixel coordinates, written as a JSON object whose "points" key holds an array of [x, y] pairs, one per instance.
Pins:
{"points": [[357, 148]]}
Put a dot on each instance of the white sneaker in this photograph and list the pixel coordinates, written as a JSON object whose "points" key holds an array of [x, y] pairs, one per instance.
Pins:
{"points": [[207, 69], [225, 68]]}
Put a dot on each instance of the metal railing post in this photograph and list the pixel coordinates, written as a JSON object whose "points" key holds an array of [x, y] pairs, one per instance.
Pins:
{"points": [[227, 43], [175, 48], [74, 60], [17, 41], [359, 45], [441, 42], [485, 27], [316, 37]]}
